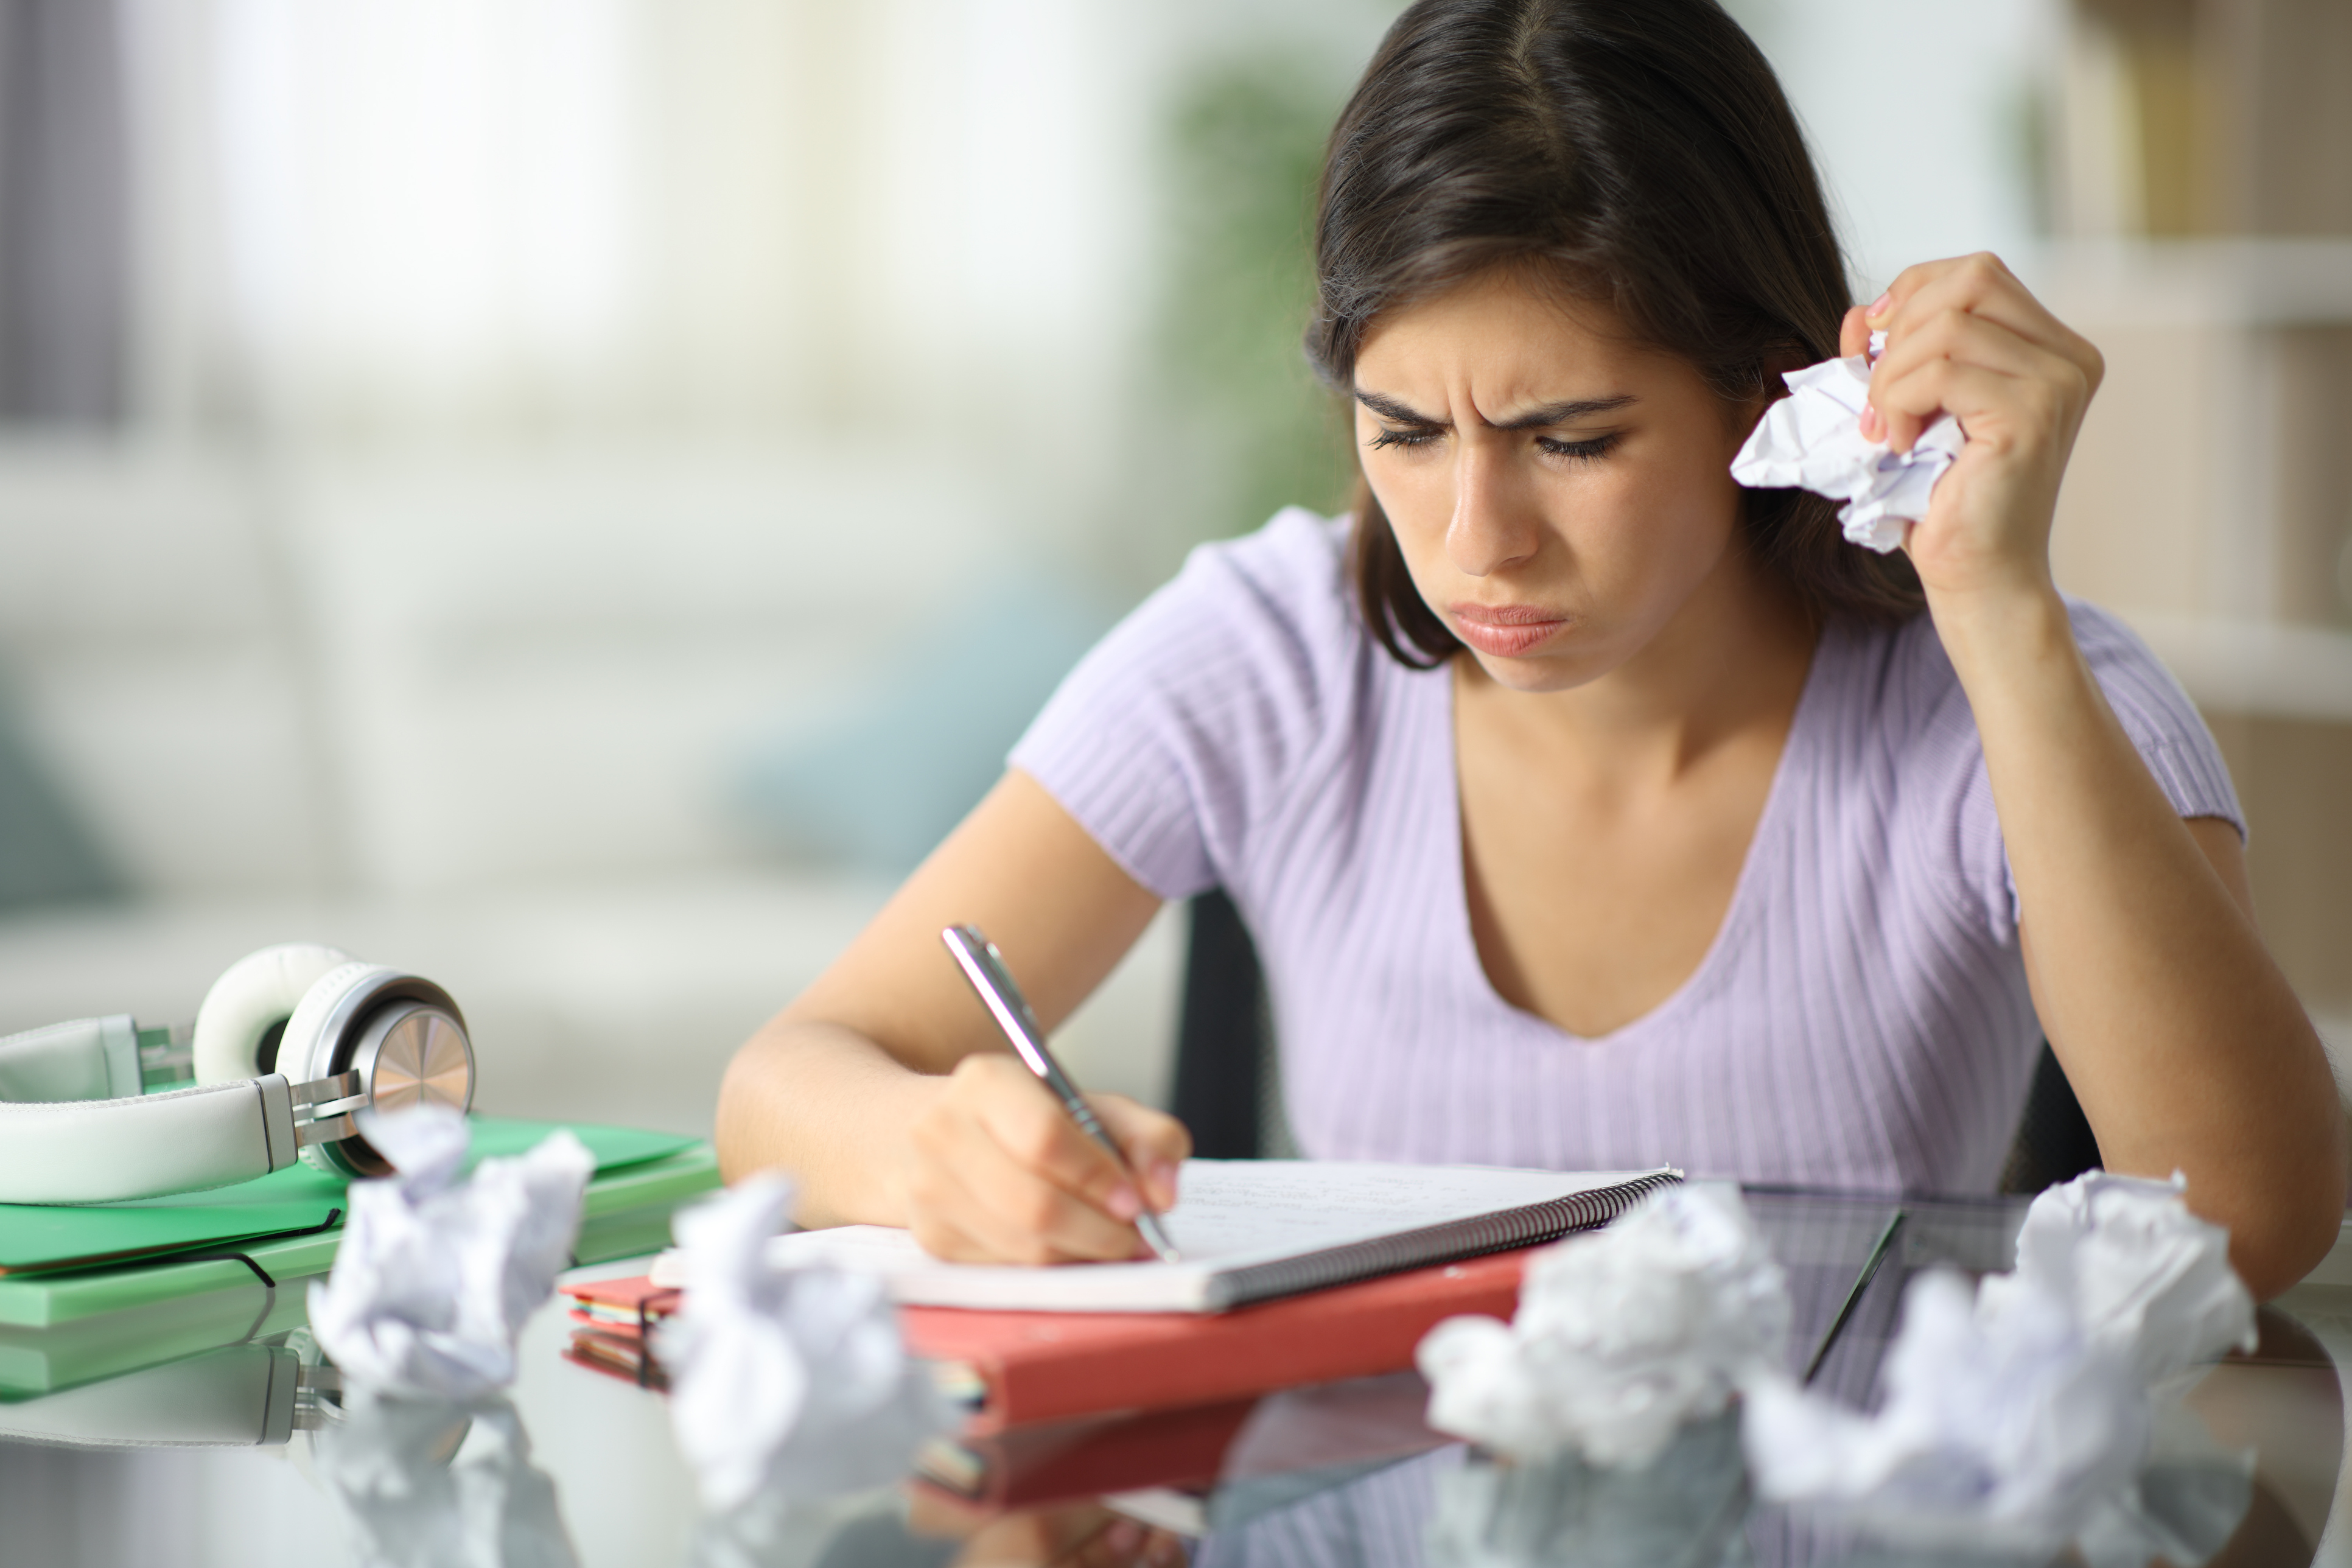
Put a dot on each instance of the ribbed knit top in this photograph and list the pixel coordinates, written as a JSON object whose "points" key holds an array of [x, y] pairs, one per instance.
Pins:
{"points": [[1861, 1019]]}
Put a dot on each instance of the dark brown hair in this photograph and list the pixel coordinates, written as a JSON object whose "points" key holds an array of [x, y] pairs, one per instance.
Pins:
{"points": [[1634, 152]]}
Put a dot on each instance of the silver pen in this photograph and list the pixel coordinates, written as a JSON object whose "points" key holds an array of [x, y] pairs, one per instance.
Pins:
{"points": [[984, 967]]}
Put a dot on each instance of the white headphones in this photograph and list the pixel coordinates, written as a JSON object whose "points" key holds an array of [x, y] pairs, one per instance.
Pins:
{"points": [[286, 1045]]}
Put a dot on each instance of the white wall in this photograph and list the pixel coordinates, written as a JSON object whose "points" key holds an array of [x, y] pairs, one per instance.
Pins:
{"points": [[1917, 115]]}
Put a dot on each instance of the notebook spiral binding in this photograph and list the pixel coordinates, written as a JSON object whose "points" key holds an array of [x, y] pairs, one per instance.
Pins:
{"points": [[1447, 1242]]}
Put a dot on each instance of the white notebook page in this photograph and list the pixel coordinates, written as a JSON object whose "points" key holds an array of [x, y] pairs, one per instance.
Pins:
{"points": [[1231, 1213]]}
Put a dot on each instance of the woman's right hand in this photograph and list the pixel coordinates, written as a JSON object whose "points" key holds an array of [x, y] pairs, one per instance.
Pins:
{"points": [[887, 1092], [998, 1173]]}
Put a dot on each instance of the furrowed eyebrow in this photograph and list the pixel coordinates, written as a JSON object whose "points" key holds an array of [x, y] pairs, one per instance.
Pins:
{"points": [[1567, 412], [1389, 408], [1551, 413]]}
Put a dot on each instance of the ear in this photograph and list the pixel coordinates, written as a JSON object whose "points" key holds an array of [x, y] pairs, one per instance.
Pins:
{"points": [[1778, 362], [1769, 388]]}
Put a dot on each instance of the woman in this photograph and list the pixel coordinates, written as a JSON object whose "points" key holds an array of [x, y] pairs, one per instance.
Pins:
{"points": [[1588, 810]]}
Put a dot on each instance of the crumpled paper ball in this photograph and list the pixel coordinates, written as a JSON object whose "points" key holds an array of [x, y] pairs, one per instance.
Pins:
{"points": [[2017, 1417], [1621, 1335], [435, 1276], [2142, 1274], [1812, 440], [790, 1382]]}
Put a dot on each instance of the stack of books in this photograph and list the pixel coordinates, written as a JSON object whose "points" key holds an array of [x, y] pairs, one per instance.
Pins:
{"points": [[612, 1324], [93, 1291]]}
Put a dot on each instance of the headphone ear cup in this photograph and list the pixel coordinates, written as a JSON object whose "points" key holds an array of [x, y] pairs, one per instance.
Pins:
{"points": [[240, 1028], [307, 1053]]}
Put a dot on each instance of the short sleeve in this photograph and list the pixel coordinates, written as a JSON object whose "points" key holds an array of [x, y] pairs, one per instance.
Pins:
{"points": [[1174, 741], [2155, 714]]}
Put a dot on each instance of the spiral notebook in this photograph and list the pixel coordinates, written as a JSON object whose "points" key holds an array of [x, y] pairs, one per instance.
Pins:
{"points": [[1254, 1230]]}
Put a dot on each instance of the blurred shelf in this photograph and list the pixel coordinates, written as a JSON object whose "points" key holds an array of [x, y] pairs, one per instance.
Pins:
{"points": [[2232, 282], [2265, 669]]}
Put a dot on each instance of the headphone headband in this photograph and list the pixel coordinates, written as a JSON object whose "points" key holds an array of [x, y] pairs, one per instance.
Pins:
{"points": [[75, 1128], [103, 1151]]}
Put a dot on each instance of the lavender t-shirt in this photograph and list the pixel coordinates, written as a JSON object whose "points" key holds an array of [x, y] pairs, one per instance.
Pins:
{"points": [[1861, 1019]]}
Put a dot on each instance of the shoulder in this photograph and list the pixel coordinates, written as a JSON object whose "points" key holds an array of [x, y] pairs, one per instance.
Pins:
{"points": [[1182, 733], [1897, 680], [1262, 621], [2161, 719], [1894, 724], [1289, 575], [2144, 693]]}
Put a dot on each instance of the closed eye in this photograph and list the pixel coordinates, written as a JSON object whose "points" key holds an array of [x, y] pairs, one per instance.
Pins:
{"points": [[1413, 437], [1596, 447]]}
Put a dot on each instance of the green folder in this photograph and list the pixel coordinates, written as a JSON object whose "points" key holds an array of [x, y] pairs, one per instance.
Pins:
{"points": [[68, 1263], [33, 1361]]}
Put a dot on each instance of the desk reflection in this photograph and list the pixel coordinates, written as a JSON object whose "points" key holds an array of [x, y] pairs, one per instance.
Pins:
{"points": [[1691, 1509], [424, 1484], [251, 1455]]}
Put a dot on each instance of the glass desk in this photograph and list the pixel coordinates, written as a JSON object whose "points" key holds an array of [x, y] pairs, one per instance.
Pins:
{"points": [[213, 1458]]}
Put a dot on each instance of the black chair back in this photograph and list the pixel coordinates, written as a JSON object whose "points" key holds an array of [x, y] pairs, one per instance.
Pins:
{"points": [[2054, 1141], [1224, 1046]]}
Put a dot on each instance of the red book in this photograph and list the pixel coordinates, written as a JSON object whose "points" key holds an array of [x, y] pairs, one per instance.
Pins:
{"points": [[1026, 1367], [1045, 1366]]}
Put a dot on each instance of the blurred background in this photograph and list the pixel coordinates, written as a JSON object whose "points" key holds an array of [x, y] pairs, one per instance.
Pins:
{"points": [[575, 496]]}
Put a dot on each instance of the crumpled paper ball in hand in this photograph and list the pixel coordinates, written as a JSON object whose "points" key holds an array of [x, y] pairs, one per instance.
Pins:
{"points": [[2016, 1416], [1621, 1335], [435, 1276], [785, 1381], [1811, 440]]}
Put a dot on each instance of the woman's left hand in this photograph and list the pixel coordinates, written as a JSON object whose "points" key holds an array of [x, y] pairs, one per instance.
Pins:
{"points": [[1964, 337]]}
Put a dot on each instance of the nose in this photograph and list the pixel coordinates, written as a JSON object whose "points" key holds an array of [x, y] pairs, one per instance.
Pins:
{"points": [[1494, 526]]}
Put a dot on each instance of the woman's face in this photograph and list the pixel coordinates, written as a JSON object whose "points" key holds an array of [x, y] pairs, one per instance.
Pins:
{"points": [[1559, 492]]}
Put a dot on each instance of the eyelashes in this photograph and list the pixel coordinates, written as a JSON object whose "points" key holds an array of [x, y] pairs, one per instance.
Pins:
{"points": [[1599, 445], [1586, 450]]}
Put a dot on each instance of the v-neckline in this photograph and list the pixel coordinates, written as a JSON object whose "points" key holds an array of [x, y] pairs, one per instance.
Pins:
{"points": [[1703, 976]]}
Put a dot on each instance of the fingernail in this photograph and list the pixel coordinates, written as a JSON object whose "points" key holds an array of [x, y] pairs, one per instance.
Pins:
{"points": [[1163, 1181], [1123, 1536], [1874, 428], [1123, 1204], [1878, 306]]}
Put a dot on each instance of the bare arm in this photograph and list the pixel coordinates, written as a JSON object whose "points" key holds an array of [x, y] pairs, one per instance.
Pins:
{"points": [[887, 1092], [2182, 1039]]}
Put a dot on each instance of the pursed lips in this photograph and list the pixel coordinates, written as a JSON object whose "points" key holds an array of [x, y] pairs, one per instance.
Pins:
{"points": [[1506, 631]]}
